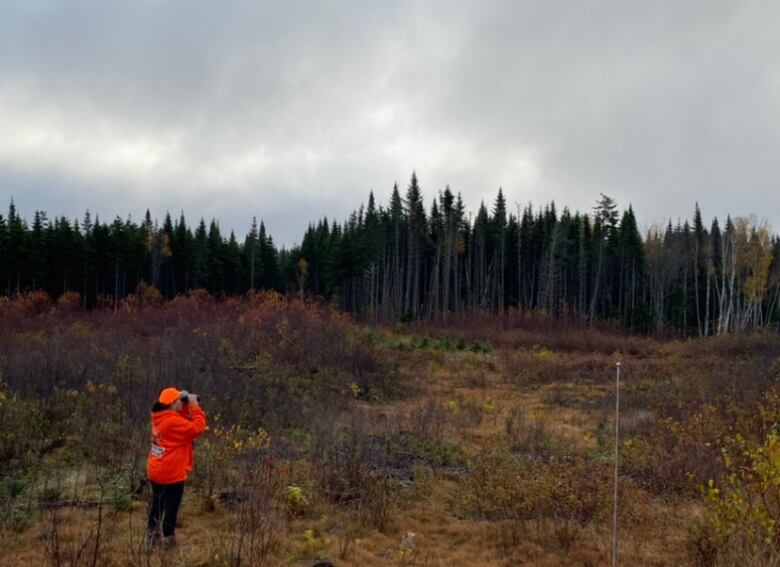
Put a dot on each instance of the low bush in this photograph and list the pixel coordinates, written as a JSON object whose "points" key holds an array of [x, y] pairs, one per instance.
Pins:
{"points": [[504, 485]]}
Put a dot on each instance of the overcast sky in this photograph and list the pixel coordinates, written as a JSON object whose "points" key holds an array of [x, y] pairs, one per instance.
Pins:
{"points": [[294, 110]]}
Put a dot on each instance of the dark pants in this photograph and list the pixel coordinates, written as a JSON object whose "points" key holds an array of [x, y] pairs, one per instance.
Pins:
{"points": [[164, 508]]}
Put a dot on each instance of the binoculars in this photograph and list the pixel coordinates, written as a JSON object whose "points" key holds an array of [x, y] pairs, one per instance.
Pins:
{"points": [[185, 397]]}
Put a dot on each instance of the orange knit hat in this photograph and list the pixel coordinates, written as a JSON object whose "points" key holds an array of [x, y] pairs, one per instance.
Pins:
{"points": [[169, 396]]}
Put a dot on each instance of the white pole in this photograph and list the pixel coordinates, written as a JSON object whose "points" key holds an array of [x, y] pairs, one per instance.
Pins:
{"points": [[617, 455]]}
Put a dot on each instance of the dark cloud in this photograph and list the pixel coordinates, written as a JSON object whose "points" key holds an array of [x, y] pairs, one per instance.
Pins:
{"points": [[290, 112]]}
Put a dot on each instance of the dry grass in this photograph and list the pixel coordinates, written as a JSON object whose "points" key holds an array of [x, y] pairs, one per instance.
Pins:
{"points": [[542, 396]]}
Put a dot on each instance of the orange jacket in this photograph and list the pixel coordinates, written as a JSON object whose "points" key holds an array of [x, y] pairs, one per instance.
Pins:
{"points": [[170, 459]]}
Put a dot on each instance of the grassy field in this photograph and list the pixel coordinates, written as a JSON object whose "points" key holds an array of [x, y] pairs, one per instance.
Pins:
{"points": [[488, 438]]}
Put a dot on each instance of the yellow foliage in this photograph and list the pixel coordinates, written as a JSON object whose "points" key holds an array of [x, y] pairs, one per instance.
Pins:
{"points": [[355, 390], [743, 505], [544, 354]]}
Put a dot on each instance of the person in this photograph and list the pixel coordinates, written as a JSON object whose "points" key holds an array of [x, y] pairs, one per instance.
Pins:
{"points": [[177, 419]]}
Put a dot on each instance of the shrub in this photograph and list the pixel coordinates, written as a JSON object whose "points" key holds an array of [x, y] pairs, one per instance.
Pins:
{"points": [[743, 511], [297, 503], [506, 486]]}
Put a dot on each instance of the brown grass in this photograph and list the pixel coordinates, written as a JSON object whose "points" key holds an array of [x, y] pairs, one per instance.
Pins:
{"points": [[539, 395]]}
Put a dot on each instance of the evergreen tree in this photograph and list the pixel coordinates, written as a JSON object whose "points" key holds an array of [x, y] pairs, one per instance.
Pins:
{"points": [[5, 255], [415, 214], [18, 251], [214, 259], [631, 271], [401, 262], [605, 224], [200, 256], [39, 251]]}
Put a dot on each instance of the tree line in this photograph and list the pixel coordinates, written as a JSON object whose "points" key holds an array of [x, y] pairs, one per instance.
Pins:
{"points": [[405, 261]]}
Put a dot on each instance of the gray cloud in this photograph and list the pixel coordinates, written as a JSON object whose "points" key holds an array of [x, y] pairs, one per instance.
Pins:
{"points": [[293, 112]]}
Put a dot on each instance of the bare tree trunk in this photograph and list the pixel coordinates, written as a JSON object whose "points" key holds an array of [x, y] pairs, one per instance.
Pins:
{"points": [[685, 296], [470, 303], [582, 275], [696, 285], [707, 300], [633, 291], [519, 262], [116, 285], [445, 304], [457, 280], [433, 299], [596, 285], [501, 271]]}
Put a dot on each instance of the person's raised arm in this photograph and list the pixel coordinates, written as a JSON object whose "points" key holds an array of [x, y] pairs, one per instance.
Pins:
{"points": [[183, 429]]}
